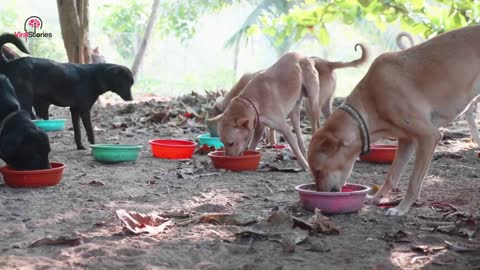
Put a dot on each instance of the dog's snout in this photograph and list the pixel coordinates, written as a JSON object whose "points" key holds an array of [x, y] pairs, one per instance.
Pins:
{"points": [[335, 189]]}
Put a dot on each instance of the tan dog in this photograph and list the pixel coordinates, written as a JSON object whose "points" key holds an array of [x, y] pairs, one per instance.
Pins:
{"points": [[267, 100], [472, 109], [327, 81], [407, 95]]}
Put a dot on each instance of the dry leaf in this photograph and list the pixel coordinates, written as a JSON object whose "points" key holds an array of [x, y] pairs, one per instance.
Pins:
{"points": [[323, 224], [59, 241], [398, 237], [463, 246], [143, 223], [427, 249]]}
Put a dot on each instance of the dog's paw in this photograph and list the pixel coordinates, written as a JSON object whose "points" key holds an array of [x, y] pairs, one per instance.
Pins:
{"points": [[372, 200], [395, 212]]}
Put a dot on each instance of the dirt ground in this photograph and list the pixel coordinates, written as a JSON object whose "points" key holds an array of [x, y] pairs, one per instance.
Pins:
{"points": [[82, 207]]}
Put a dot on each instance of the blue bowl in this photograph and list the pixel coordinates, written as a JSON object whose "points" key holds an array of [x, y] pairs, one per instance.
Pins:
{"points": [[210, 141], [50, 125]]}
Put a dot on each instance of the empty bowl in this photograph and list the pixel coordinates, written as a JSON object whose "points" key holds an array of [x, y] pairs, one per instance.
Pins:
{"points": [[50, 125], [350, 200], [380, 153], [248, 161], [113, 153], [172, 149], [35, 178], [207, 139]]}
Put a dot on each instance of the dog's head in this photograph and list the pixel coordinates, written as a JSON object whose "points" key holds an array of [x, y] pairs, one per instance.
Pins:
{"points": [[26, 149], [331, 156], [120, 81], [24, 146], [235, 129]]}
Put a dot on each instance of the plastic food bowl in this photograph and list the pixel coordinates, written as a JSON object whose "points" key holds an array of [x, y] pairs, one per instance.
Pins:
{"points": [[35, 178], [350, 200], [380, 153], [112, 153], [206, 139], [172, 149], [50, 125], [248, 161]]}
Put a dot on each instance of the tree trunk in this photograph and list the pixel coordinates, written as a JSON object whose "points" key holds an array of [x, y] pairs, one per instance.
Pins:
{"points": [[143, 46], [73, 16]]}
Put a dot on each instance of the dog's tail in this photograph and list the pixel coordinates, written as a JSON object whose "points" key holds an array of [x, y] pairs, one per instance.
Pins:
{"points": [[399, 42], [354, 63], [11, 38]]}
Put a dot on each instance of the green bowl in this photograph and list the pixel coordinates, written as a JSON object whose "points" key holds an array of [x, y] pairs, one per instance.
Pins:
{"points": [[210, 141], [50, 125], [113, 153]]}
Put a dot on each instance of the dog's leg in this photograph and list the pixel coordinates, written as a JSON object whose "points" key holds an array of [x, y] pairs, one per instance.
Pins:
{"points": [[257, 136], [470, 117], [327, 107], [76, 128], [271, 137], [423, 156], [295, 120], [287, 133], [311, 85], [87, 124], [41, 109], [404, 153]]}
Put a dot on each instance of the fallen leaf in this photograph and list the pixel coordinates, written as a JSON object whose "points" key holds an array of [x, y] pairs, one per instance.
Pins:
{"points": [[427, 249], [58, 241], [238, 219], [323, 224], [273, 168], [463, 246], [398, 237], [95, 183], [139, 223]]}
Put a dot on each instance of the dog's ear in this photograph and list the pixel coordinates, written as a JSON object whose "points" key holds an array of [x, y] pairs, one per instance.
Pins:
{"points": [[243, 122], [328, 144]]}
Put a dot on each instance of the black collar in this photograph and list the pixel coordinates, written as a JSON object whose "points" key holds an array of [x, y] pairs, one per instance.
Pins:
{"points": [[362, 125], [250, 104], [4, 122]]}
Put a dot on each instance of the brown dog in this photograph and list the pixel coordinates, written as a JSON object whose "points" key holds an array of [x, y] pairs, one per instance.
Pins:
{"points": [[267, 100], [472, 109], [327, 81], [407, 95]]}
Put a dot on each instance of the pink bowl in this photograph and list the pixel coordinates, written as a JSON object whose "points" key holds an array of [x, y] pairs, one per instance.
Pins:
{"points": [[333, 202]]}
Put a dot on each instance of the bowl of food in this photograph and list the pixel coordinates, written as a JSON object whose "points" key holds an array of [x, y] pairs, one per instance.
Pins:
{"points": [[33, 178], [248, 161], [114, 153], [207, 139], [172, 149], [350, 200], [50, 125], [380, 153]]}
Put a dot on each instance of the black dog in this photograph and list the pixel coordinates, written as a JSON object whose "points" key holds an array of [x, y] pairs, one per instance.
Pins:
{"points": [[40, 82], [23, 146]]}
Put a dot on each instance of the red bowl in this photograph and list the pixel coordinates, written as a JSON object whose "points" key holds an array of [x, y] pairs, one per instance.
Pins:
{"points": [[35, 178], [172, 149], [350, 200], [380, 153], [248, 161]]}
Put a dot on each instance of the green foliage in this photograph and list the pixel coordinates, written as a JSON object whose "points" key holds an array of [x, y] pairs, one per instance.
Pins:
{"points": [[8, 16], [427, 17], [122, 20], [179, 17]]}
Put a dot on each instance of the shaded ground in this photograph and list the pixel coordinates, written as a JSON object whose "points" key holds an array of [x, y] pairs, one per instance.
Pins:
{"points": [[83, 206]]}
